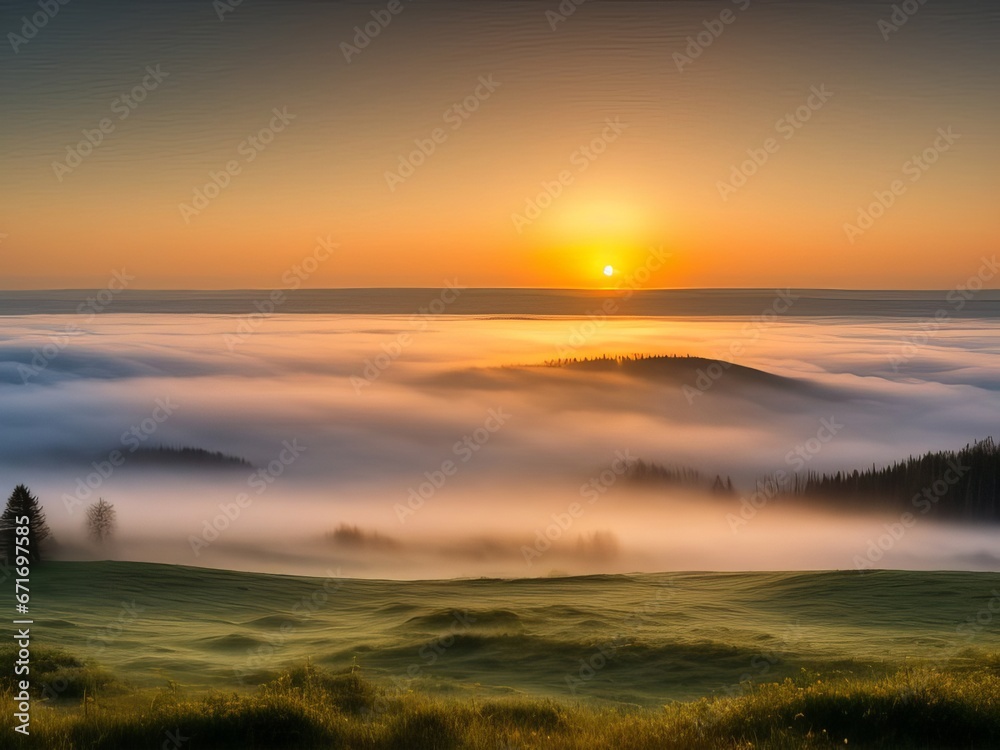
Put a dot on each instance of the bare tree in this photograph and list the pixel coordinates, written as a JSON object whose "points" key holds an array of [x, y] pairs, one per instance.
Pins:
{"points": [[101, 521]]}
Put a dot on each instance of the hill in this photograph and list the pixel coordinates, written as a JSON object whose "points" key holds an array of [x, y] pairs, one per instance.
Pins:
{"points": [[663, 636], [685, 376], [805, 660], [957, 485], [187, 458]]}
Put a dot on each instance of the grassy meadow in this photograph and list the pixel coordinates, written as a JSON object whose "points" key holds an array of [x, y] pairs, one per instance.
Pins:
{"points": [[129, 655]]}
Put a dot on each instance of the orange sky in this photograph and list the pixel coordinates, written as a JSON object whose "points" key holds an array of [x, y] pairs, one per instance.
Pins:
{"points": [[658, 180]]}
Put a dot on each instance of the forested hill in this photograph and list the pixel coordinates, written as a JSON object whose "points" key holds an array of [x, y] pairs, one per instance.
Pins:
{"points": [[960, 485]]}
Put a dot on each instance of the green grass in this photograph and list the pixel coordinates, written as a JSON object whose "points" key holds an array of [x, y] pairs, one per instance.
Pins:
{"points": [[307, 707], [660, 637], [134, 656], [56, 674]]}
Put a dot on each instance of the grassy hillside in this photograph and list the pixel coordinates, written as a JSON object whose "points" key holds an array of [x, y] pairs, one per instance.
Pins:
{"points": [[661, 637], [671, 660]]}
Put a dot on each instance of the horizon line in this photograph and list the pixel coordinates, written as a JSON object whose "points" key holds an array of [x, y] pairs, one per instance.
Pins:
{"points": [[497, 289]]}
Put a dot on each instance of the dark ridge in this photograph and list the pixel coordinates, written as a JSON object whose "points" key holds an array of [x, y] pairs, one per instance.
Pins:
{"points": [[676, 366], [188, 457], [632, 362], [955, 485], [518, 301], [693, 376]]}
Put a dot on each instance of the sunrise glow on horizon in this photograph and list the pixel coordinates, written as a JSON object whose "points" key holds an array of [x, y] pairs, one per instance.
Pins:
{"points": [[218, 160]]}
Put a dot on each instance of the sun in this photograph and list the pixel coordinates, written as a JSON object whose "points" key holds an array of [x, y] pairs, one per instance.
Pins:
{"points": [[609, 270]]}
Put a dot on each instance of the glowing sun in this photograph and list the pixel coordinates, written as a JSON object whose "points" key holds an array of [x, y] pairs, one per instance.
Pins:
{"points": [[609, 270]]}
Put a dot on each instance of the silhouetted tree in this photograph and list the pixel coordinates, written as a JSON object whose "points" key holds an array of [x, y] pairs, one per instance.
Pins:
{"points": [[961, 484], [720, 487], [23, 518], [101, 521], [647, 472]]}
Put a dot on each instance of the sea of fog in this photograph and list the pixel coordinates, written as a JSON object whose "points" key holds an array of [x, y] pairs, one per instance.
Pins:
{"points": [[435, 446]]}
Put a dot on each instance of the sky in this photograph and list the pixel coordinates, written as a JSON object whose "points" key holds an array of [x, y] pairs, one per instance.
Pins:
{"points": [[759, 144]]}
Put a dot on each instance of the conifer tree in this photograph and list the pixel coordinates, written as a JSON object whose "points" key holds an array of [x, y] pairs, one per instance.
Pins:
{"points": [[23, 518]]}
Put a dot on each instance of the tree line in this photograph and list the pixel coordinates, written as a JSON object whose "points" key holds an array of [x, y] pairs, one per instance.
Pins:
{"points": [[100, 520], [649, 473], [959, 484]]}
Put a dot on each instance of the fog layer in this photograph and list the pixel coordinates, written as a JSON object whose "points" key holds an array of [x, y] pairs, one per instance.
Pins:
{"points": [[435, 447]]}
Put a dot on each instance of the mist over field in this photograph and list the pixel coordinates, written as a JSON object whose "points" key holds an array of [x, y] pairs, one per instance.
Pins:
{"points": [[432, 447]]}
